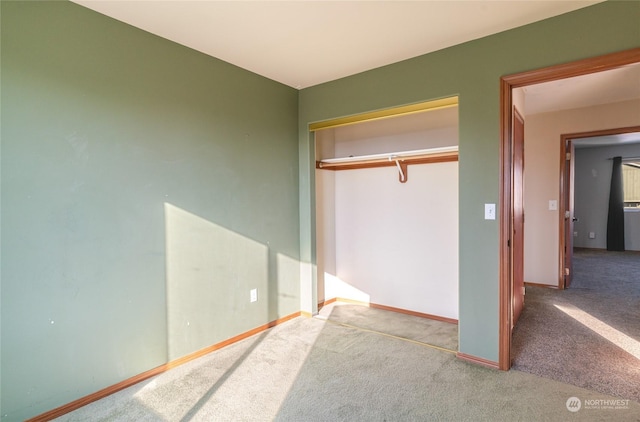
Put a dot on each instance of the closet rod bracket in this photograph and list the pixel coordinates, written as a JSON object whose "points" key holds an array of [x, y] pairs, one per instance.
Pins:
{"points": [[402, 168]]}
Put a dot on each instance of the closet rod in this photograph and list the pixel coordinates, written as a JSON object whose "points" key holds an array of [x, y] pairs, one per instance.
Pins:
{"points": [[423, 156]]}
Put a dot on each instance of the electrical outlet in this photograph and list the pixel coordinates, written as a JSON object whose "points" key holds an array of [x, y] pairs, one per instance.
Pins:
{"points": [[592, 235], [575, 234], [253, 295]]}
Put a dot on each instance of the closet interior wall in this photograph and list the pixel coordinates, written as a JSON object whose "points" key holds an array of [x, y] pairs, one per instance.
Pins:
{"points": [[385, 242]]}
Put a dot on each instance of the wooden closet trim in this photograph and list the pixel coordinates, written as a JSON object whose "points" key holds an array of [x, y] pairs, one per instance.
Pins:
{"points": [[386, 113]]}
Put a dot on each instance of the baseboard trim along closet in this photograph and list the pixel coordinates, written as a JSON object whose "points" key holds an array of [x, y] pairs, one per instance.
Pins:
{"points": [[385, 308], [414, 313], [83, 401], [478, 361], [326, 302]]}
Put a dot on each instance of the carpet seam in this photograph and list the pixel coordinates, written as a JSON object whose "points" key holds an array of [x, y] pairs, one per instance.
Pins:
{"points": [[420, 343]]}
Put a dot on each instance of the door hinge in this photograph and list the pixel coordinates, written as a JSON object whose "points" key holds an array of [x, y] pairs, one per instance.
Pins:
{"points": [[568, 156], [566, 271], [508, 243]]}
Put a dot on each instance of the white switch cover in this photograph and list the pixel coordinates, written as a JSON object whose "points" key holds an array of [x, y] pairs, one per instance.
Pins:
{"points": [[553, 205], [489, 211], [254, 295]]}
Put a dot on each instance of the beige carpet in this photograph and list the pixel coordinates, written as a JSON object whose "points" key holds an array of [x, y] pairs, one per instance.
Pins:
{"points": [[589, 334], [319, 369], [436, 333]]}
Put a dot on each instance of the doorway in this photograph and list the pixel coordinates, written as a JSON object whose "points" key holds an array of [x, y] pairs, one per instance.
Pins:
{"points": [[510, 187], [568, 217]]}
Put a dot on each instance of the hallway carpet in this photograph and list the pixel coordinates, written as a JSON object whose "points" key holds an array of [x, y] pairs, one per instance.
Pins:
{"points": [[589, 334]]}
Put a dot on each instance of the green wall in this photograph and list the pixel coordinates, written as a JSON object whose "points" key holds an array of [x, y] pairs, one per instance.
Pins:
{"points": [[146, 188], [471, 71]]}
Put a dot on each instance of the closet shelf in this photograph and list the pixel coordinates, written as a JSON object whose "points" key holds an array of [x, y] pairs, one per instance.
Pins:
{"points": [[421, 156], [398, 159]]}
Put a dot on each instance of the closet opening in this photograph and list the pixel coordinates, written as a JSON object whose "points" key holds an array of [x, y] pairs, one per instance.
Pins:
{"points": [[387, 210]]}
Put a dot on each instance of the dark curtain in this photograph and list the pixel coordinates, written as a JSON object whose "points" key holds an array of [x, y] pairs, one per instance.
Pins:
{"points": [[615, 222]]}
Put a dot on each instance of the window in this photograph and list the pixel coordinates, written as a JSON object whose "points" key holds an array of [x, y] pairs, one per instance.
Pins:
{"points": [[631, 183]]}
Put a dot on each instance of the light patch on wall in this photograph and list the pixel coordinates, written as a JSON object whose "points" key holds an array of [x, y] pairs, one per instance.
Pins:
{"points": [[337, 288], [306, 291], [288, 270], [209, 272]]}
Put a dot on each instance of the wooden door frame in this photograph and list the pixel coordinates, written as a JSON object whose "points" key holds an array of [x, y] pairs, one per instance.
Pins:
{"points": [[507, 84], [566, 205], [566, 140], [516, 115]]}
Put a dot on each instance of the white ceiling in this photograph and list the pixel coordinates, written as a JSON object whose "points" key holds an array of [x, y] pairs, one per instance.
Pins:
{"points": [[583, 91], [305, 43], [607, 140]]}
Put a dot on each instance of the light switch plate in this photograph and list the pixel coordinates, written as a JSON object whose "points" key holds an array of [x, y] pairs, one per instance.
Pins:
{"points": [[553, 205], [489, 211]]}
